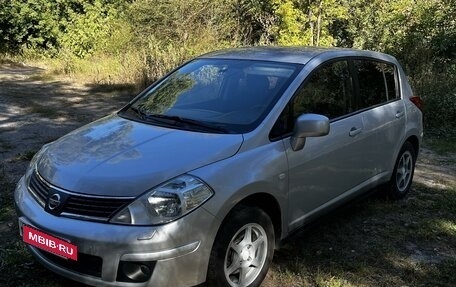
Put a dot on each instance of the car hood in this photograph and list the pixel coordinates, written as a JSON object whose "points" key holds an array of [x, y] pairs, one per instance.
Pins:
{"points": [[119, 157]]}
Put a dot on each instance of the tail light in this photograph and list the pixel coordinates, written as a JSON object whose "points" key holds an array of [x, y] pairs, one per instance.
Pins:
{"points": [[418, 102]]}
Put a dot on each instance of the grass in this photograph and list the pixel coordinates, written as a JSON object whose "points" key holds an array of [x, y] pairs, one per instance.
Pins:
{"points": [[411, 242], [376, 242], [49, 112], [10, 60], [17, 266], [125, 69], [42, 77], [442, 144], [373, 242], [5, 146], [6, 200], [26, 155]]}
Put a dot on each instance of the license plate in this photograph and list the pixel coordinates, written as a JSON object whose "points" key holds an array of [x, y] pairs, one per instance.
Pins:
{"points": [[49, 243]]}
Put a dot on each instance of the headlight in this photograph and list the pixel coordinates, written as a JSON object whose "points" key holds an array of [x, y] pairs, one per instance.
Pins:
{"points": [[167, 202]]}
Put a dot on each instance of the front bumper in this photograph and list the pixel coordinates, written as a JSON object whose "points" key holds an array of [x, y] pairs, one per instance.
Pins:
{"points": [[179, 250]]}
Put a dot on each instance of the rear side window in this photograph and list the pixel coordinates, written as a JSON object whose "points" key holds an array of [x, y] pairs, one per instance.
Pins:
{"points": [[339, 88], [377, 83]]}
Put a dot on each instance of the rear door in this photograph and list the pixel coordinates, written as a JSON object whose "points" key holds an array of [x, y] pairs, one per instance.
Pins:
{"points": [[382, 111]]}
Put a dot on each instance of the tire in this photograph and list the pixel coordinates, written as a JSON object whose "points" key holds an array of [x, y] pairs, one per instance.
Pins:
{"points": [[402, 176], [237, 254]]}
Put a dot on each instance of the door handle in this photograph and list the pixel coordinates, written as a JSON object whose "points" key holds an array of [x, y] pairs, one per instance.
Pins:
{"points": [[399, 114], [354, 131]]}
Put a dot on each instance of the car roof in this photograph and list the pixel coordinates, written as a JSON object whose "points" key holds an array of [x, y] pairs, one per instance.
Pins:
{"points": [[298, 55]]}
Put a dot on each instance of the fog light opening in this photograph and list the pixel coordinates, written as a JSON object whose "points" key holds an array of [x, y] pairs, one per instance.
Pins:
{"points": [[135, 271]]}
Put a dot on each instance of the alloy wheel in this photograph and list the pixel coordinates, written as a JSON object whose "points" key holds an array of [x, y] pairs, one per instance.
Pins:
{"points": [[246, 255], [404, 171]]}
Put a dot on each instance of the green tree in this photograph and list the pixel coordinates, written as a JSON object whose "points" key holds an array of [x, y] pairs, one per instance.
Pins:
{"points": [[291, 24], [88, 27], [33, 23], [308, 22], [256, 21], [79, 26]]}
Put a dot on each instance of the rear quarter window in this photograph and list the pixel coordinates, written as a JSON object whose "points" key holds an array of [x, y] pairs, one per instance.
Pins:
{"points": [[376, 81]]}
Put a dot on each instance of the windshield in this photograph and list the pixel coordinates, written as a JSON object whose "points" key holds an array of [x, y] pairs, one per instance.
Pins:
{"points": [[215, 95]]}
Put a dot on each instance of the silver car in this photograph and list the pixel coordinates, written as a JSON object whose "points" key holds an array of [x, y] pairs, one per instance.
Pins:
{"points": [[202, 175]]}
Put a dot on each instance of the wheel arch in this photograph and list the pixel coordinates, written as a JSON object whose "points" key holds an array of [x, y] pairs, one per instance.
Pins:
{"points": [[269, 204], [258, 204], [413, 139]]}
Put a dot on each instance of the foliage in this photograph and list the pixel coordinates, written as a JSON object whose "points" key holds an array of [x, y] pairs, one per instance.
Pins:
{"points": [[28, 23], [166, 33], [256, 21], [140, 40], [290, 28], [49, 27], [89, 28]]}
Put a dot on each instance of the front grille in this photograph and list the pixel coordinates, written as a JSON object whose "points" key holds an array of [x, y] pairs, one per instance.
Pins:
{"points": [[93, 206], [86, 264], [89, 207], [39, 188]]}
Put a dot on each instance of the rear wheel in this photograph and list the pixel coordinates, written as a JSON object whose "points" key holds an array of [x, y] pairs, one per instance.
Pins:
{"points": [[243, 249], [401, 180]]}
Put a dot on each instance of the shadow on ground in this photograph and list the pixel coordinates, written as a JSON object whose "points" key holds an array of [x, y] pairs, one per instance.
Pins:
{"points": [[34, 112], [375, 242]]}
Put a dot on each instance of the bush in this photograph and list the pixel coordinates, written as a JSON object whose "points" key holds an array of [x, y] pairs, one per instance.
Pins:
{"points": [[438, 92]]}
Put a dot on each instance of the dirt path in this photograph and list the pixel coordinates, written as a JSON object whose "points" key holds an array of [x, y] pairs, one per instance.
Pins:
{"points": [[34, 112], [435, 170]]}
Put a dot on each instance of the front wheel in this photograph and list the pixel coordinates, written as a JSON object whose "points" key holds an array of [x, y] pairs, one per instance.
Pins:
{"points": [[401, 180], [243, 249]]}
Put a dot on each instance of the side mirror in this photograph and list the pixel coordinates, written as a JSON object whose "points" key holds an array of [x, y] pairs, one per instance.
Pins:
{"points": [[308, 125]]}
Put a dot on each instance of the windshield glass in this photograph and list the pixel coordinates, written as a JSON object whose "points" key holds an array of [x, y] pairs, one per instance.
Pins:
{"points": [[215, 95]]}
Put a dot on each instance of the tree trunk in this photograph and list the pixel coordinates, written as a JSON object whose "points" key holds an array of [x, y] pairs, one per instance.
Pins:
{"points": [[311, 23], [319, 22]]}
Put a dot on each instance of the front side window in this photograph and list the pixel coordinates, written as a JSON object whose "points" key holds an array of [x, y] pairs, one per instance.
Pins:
{"points": [[327, 91], [377, 83], [215, 95]]}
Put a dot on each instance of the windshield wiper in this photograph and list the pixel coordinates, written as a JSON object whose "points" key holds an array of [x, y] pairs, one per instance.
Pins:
{"points": [[139, 113], [181, 120]]}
